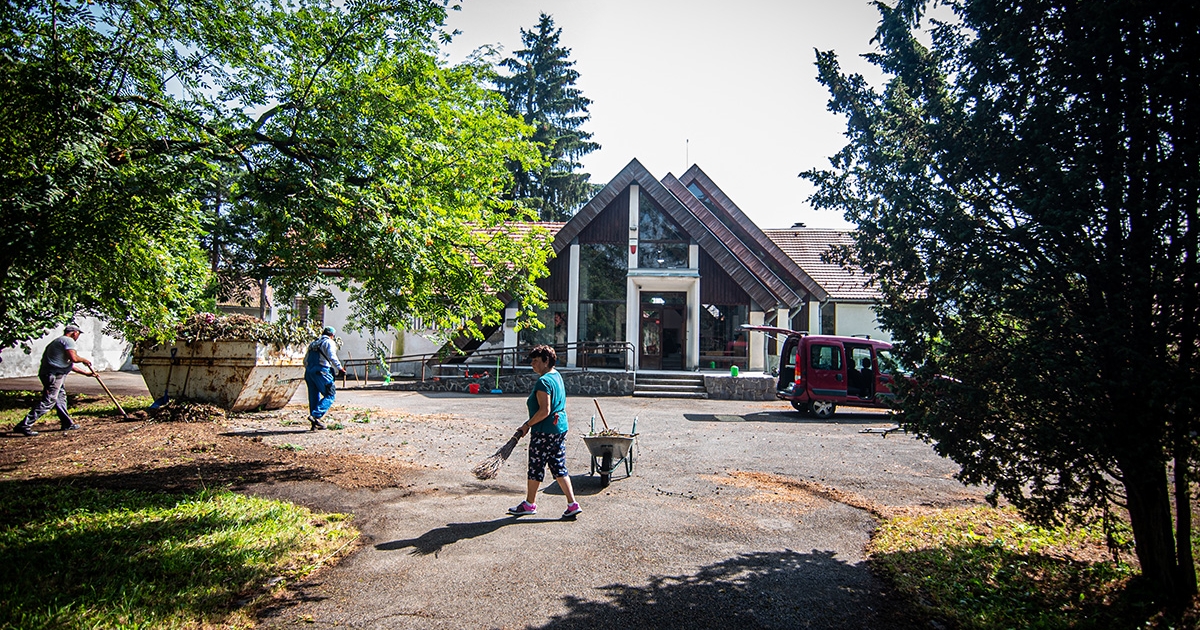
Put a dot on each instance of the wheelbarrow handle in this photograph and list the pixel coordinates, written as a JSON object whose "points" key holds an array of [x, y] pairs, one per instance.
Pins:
{"points": [[601, 414]]}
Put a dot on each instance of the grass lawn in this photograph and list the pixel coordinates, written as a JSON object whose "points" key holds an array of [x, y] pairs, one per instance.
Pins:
{"points": [[81, 557], [983, 569]]}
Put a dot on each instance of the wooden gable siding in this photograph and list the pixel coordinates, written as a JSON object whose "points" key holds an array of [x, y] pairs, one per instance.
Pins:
{"points": [[749, 230], [633, 172], [716, 286], [557, 284], [708, 241], [611, 225]]}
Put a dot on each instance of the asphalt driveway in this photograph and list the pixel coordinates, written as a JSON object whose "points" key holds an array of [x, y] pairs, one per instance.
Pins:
{"points": [[737, 515]]}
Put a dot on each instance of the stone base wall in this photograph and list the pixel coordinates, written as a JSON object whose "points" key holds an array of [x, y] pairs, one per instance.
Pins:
{"points": [[578, 383], [744, 387]]}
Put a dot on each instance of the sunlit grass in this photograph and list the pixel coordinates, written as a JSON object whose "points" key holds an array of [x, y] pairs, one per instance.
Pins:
{"points": [[15, 404], [81, 557], [984, 568]]}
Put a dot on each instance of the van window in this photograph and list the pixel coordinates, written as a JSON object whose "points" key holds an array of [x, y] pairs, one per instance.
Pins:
{"points": [[826, 357], [887, 363], [860, 357]]}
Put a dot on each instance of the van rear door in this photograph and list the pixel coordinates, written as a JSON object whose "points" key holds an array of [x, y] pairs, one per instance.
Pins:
{"points": [[826, 370]]}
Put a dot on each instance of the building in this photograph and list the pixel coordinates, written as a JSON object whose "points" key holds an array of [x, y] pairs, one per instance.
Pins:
{"points": [[661, 274], [651, 274]]}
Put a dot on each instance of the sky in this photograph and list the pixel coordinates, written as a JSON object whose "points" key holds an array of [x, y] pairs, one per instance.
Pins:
{"points": [[730, 86]]}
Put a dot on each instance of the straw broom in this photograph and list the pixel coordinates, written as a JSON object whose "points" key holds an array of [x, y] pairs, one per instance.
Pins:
{"points": [[490, 467]]}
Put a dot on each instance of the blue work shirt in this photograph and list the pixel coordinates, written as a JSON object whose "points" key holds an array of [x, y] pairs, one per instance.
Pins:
{"points": [[323, 352], [551, 382]]}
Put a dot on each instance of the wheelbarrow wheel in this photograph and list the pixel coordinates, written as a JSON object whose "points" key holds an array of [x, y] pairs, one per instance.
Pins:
{"points": [[606, 470]]}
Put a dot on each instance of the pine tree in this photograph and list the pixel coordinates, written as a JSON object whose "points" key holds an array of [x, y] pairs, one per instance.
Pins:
{"points": [[541, 90]]}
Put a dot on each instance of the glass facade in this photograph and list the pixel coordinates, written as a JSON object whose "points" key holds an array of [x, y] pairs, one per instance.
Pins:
{"points": [[722, 340], [553, 331], [660, 244], [602, 271]]}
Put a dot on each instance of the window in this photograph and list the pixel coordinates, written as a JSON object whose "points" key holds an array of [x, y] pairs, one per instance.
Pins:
{"points": [[554, 327], [661, 245], [829, 318], [602, 271], [826, 357], [721, 333]]}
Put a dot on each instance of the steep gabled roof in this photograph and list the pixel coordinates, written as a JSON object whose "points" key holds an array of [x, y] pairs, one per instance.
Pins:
{"points": [[635, 173], [752, 233], [781, 290], [806, 246]]}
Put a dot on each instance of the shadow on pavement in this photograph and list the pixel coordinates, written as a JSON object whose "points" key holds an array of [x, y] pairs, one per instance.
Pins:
{"points": [[434, 540], [848, 417], [778, 589]]}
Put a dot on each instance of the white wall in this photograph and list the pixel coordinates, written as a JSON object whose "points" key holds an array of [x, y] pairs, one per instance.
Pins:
{"points": [[106, 353], [859, 319], [354, 344]]}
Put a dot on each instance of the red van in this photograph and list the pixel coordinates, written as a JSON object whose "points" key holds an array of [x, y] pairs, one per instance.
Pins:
{"points": [[819, 372]]}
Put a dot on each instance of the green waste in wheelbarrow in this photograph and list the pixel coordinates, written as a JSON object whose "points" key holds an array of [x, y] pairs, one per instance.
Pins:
{"points": [[609, 452]]}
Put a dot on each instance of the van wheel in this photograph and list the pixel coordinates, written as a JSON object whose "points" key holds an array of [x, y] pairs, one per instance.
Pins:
{"points": [[799, 406], [821, 408]]}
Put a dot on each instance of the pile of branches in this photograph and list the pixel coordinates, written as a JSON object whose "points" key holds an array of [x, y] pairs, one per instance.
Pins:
{"points": [[187, 411], [211, 327]]}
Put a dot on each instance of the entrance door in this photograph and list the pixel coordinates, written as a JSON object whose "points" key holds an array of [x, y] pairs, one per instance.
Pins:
{"points": [[663, 331]]}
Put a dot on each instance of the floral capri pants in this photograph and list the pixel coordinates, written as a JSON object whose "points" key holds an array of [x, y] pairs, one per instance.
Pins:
{"points": [[547, 449]]}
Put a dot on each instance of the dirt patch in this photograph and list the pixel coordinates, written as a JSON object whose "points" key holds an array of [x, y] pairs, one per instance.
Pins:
{"points": [[802, 494], [187, 455]]}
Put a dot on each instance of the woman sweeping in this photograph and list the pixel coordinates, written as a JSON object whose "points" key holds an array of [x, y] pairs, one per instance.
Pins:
{"points": [[548, 441]]}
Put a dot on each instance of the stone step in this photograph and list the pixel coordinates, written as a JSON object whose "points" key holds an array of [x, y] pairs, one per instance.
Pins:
{"points": [[670, 388], [658, 394], [696, 382]]}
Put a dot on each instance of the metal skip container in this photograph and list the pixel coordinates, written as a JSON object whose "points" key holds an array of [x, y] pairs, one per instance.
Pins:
{"points": [[235, 375]]}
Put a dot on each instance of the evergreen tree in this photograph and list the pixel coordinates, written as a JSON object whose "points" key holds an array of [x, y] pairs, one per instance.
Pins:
{"points": [[541, 90], [1027, 192]]}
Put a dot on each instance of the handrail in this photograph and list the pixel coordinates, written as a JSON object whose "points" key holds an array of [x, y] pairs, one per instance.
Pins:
{"points": [[506, 358]]}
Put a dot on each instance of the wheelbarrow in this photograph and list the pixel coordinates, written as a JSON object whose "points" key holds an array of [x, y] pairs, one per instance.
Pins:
{"points": [[610, 451]]}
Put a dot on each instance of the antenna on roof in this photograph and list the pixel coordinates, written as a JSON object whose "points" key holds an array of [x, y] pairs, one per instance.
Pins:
{"points": [[686, 158]]}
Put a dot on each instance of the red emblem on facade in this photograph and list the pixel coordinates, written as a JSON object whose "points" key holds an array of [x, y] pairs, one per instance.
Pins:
{"points": [[633, 249]]}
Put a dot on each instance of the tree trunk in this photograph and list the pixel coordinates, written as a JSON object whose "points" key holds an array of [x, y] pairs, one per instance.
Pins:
{"points": [[1185, 565], [1150, 517]]}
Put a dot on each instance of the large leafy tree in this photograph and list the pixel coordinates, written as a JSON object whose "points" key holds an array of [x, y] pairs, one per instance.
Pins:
{"points": [[1026, 188], [540, 89], [146, 147]]}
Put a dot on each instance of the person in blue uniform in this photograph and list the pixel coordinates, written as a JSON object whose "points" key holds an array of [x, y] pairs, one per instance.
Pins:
{"points": [[320, 366]]}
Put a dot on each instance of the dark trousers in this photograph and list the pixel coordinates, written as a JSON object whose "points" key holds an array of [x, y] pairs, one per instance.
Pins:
{"points": [[54, 396]]}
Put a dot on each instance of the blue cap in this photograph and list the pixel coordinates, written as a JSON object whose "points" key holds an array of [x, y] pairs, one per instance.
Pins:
{"points": [[329, 330]]}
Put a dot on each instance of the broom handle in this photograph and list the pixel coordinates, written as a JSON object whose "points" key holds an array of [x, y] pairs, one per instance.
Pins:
{"points": [[601, 414], [96, 375]]}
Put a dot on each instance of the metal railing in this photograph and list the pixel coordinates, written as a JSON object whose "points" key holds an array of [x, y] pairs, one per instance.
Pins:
{"points": [[614, 355]]}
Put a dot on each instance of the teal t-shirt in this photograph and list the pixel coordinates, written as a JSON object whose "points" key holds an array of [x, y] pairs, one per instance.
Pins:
{"points": [[551, 382]]}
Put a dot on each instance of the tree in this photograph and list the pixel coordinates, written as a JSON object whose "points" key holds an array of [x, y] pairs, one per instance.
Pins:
{"points": [[541, 91], [1026, 192], [148, 146]]}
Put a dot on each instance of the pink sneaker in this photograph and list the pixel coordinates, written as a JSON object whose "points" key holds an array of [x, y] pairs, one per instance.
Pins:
{"points": [[524, 508], [573, 510]]}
